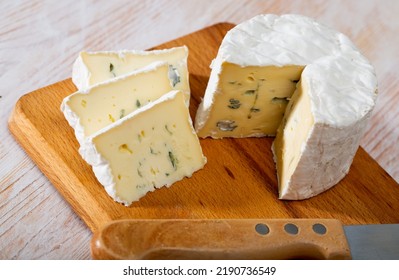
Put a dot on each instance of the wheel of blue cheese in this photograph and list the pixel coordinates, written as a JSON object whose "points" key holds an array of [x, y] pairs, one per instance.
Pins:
{"points": [[304, 83]]}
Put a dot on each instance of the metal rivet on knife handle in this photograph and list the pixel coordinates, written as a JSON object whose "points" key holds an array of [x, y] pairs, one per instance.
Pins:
{"points": [[262, 229], [319, 229], [291, 229]]}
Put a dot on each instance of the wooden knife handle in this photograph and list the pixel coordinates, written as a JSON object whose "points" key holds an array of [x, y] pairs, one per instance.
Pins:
{"points": [[221, 239]]}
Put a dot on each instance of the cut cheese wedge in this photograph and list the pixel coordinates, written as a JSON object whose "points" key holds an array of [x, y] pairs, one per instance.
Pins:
{"points": [[316, 142], [259, 66], [91, 68], [103, 104], [152, 147]]}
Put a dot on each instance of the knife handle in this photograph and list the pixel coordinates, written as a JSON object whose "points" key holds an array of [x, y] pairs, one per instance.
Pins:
{"points": [[221, 239]]}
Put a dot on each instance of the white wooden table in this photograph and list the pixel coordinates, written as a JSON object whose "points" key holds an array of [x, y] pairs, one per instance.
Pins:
{"points": [[39, 41]]}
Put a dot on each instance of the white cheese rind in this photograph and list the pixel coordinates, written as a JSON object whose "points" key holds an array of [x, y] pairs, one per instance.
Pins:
{"points": [[80, 74], [342, 88], [182, 139], [281, 40], [85, 70]]}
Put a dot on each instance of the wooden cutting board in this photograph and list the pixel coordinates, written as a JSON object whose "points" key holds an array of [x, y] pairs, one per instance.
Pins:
{"points": [[239, 180]]}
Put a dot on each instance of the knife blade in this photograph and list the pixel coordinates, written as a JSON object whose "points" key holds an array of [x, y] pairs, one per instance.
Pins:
{"points": [[243, 239], [373, 242]]}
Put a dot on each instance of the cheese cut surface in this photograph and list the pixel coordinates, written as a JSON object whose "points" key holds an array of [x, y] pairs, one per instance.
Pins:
{"points": [[293, 132], [252, 92], [91, 68], [152, 147], [105, 103], [254, 102]]}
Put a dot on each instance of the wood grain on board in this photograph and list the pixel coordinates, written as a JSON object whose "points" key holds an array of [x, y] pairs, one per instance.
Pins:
{"points": [[239, 180]]}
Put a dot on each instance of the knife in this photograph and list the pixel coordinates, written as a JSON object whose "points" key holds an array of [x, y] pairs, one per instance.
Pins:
{"points": [[244, 239]]}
